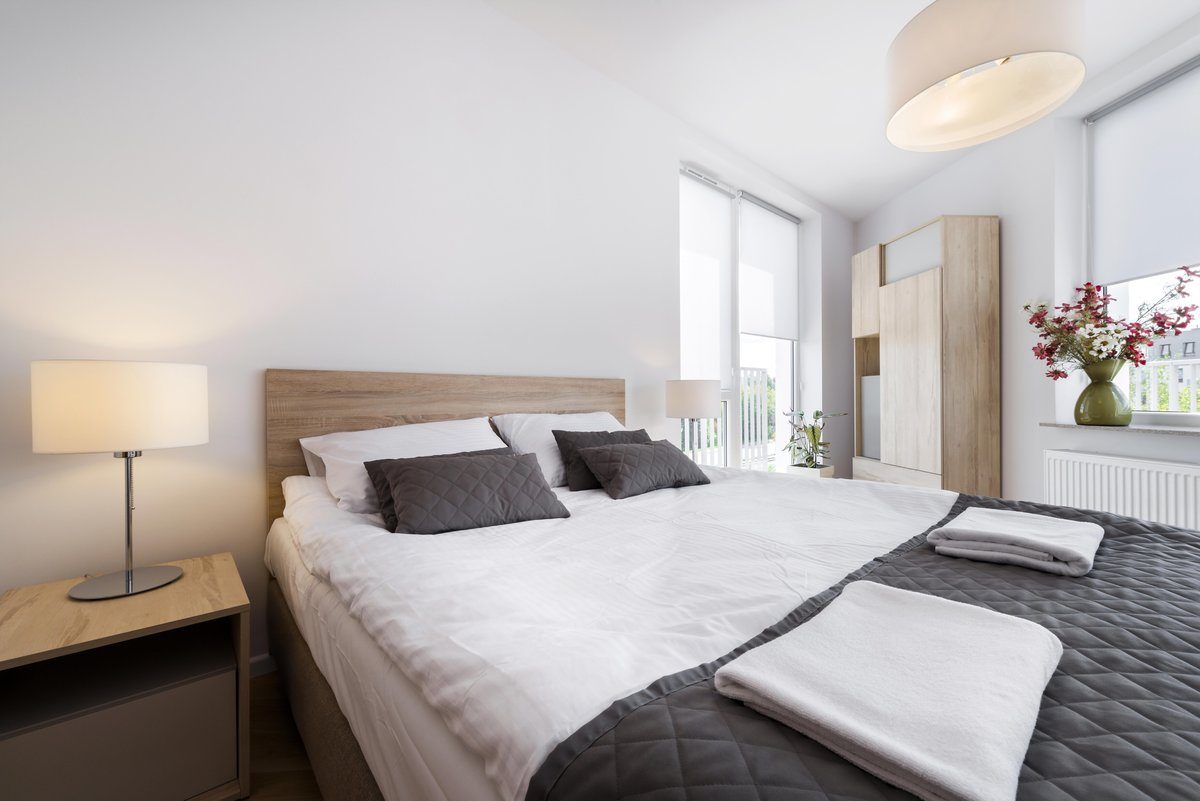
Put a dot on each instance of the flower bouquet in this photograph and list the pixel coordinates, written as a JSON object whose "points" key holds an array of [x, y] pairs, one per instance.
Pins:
{"points": [[1083, 335]]}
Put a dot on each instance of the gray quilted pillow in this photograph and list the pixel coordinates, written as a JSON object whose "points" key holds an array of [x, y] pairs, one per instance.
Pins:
{"points": [[569, 443], [452, 493], [625, 470], [383, 490]]}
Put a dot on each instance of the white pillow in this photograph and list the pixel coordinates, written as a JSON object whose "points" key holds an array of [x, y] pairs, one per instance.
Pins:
{"points": [[530, 433], [344, 453], [313, 463]]}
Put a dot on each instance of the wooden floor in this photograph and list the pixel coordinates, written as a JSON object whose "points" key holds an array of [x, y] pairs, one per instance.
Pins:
{"points": [[279, 769]]}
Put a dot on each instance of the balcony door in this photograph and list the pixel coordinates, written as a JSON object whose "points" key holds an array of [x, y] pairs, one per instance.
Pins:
{"points": [[739, 321]]}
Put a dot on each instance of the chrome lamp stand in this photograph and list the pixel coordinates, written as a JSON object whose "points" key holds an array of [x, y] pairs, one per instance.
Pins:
{"points": [[131, 580]]}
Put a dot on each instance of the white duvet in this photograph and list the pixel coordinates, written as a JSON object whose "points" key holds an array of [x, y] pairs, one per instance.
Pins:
{"points": [[520, 634]]}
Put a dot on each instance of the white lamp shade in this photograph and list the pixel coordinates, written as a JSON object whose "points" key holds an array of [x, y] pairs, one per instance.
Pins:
{"points": [[97, 406], [963, 72], [694, 399]]}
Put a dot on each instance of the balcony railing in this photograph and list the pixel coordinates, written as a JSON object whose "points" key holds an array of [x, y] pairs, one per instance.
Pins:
{"points": [[704, 440], [1166, 385], [756, 445]]}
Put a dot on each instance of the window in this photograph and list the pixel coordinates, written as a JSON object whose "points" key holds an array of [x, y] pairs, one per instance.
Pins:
{"points": [[1145, 170], [1170, 379], [768, 324], [767, 395], [749, 345]]}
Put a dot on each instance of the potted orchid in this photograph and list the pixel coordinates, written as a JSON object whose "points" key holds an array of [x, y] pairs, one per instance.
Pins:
{"points": [[1083, 335]]}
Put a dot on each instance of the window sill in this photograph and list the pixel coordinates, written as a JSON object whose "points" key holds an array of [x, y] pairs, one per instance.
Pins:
{"points": [[1179, 431]]}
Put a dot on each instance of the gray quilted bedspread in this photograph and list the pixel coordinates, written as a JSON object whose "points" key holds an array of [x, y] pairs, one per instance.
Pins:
{"points": [[1120, 719]]}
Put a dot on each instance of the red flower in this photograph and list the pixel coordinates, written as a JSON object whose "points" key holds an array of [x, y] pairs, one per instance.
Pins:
{"points": [[1060, 346]]}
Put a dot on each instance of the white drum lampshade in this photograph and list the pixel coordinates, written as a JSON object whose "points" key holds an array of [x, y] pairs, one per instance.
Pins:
{"points": [[122, 408], [694, 399], [963, 72], [99, 407]]}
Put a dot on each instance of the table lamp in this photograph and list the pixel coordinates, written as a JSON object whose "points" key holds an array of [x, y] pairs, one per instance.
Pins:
{"points": [[122, 408], [693, 400]]}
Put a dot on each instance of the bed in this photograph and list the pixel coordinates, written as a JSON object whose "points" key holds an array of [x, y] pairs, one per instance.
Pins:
{"points": [[388, 710]]}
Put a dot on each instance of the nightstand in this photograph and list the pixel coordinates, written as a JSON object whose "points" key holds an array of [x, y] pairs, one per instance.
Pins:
{"points": [[141, 697]]}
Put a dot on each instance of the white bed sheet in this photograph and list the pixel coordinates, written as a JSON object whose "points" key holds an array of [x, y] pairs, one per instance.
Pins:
{"points": [[518, 635], [404, 740]]}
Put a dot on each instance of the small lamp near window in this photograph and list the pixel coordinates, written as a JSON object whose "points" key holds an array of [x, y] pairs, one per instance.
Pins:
{"points": [[694, 400], [122, 408]]}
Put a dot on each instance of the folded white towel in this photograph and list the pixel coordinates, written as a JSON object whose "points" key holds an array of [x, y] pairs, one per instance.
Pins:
{"points": [[936, 697], [1066, 547]]}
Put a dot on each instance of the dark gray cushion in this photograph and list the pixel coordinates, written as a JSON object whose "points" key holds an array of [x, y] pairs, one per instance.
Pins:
{"points": [[579, 477], [452, 493], [383, 490], [633, 469]]}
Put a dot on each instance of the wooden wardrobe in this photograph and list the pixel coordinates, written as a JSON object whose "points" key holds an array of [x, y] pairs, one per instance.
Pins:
{"points": [[925, 319]]}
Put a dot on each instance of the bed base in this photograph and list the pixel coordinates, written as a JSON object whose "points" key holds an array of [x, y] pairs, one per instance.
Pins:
{"points": [[337, 760]]}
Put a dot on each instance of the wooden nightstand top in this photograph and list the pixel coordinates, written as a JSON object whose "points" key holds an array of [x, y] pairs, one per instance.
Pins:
{"points": [[41, 622]]}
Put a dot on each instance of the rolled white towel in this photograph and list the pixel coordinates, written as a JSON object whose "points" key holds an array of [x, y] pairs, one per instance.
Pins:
{"points": [[933, 696], [1040, 542]]}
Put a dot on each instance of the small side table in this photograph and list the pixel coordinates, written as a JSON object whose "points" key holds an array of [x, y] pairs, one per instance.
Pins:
{"points": [[145, 696]]}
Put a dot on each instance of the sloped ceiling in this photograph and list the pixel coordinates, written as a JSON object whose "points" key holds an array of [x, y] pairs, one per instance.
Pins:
{"points": [[796, 86]]}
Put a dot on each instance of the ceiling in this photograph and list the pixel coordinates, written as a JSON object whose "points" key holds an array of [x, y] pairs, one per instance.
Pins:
{"points": [[797, 86]]}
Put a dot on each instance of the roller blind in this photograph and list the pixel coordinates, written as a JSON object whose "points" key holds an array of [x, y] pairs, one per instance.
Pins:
{"points": [[1146, 184], [768, 267], [705, 281]]}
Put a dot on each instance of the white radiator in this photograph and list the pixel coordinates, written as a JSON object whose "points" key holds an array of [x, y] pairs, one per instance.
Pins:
{"points": [[1165, 492]]}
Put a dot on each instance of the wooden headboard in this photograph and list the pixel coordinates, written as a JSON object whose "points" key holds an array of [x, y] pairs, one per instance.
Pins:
{"points": [[307, 403]]}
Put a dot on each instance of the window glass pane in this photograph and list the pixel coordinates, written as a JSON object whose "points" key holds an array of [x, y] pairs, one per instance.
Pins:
{"points": [[767, 395], [768, 263], [1170, 379], [705, 280]]}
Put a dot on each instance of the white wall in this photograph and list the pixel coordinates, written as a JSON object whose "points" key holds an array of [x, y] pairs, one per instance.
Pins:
{"points": [[1033, 179], [379, 186], [837, 346]]}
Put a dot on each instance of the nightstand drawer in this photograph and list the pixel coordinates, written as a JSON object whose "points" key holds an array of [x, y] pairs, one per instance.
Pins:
{"points": [[152, 719]]}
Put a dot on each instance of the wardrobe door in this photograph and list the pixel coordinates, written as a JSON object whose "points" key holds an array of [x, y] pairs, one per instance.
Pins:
{"points": [[865, 277], [910, 369]]}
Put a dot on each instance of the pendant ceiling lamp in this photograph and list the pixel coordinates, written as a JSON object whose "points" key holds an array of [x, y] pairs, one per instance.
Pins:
{"points": [[963, 72]]}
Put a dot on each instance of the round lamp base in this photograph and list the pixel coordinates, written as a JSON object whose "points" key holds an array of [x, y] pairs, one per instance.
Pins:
{"points": [[114, 585]]}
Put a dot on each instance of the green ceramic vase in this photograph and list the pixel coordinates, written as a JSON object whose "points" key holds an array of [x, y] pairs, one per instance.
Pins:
{"points": [[1102, 403]]}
